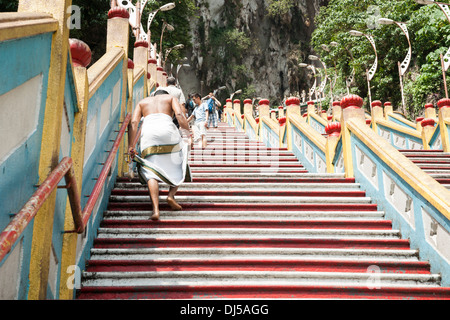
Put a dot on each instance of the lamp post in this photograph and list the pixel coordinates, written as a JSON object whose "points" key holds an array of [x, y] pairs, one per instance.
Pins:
{"points": [[312, 90], [371, 72], [332, 82], [178, 69], [445, 60], [402, 67], [236, 92], [178, 46], [136, 14], [323, 82], [170, 28]]}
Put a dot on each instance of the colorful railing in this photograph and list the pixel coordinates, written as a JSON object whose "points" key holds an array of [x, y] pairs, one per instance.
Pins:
{"points": [[417, 204]]}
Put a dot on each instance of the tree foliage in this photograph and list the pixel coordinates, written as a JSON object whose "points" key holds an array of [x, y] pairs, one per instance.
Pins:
{"points": [[429, 32]]}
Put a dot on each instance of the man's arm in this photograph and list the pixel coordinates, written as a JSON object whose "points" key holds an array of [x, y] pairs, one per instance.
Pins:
{"points": [[179, 114], [132, 127]]}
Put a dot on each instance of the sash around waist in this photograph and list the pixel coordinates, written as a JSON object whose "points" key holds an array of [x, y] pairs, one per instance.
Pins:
{"points": [[163, 149]]}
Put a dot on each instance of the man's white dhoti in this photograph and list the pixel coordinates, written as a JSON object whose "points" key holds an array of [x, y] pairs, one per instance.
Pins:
{"points": [[163, 152]]}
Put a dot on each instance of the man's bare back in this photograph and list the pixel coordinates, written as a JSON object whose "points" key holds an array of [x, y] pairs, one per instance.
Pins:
{"points": [[159, 104]]}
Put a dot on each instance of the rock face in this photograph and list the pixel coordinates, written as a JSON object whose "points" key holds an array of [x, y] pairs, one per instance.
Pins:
{"points": [[268, 66]]}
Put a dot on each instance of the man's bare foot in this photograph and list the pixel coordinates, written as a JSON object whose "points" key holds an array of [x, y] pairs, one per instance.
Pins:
{"points": [[155, 216], [173, 204]]}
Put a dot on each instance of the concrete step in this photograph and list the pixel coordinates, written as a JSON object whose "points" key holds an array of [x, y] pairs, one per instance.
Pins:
{"points": [[243, 234], [256, 253], [252, 278], [247, 215], [247, 186], [246, 199]]}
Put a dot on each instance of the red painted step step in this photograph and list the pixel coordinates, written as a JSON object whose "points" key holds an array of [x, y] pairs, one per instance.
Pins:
{"points": [[248, 206], [258, 265], [264, 292], [391, 244]]}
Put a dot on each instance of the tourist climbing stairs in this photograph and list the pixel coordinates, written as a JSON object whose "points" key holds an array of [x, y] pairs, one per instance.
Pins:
{"points": [[254, 224], [434, 162]]}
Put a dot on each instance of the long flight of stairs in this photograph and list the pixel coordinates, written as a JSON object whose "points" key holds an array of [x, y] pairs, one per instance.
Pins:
{"points": [[434, 162], [255, 224]]}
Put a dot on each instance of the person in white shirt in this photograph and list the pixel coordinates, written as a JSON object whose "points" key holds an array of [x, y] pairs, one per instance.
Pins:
{"points": [[200, 114]]}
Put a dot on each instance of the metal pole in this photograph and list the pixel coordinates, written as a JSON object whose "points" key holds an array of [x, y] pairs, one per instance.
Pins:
{"points": [[443, 76], [401, 87]]}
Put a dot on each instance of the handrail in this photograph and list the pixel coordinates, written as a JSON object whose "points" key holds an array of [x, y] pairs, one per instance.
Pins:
{"points": [[21, 220], [63, 170]]}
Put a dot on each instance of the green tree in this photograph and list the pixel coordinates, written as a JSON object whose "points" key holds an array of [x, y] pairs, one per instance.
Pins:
{"points": [[429, 32]]}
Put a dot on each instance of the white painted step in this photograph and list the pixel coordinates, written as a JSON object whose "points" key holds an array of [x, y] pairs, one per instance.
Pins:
{"points": [[247, 199], [247, 215], [255, 253], [240, 233], [250, 186], [244, 278]]}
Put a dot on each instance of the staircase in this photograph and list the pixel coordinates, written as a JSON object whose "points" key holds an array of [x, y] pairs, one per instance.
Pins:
{"points": [[255, 224], [435, 162]]}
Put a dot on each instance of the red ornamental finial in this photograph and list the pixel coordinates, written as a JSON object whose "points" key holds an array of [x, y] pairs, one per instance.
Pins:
{"points": [[141, 43], [242, 116], [263, 102], [118, 12], [248, 101], [130, 64], [159, 69], [387, 104], [310, 103], [352, 101], [368, 121], [228, 100], [237, 101], [376, 103], [427, 122], [333, 129], [429, 105], [282, 121], [152, 61], [81, 53], [443, 103], [419, 119], [257, 120], [329, 118], [292, 101], [149, 75], [336, 103]]}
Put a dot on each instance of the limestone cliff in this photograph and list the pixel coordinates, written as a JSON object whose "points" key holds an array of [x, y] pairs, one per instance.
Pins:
{"points": [[237, 44]]}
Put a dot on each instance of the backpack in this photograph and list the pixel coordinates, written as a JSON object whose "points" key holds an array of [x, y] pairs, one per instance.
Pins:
{"points": [[190, 107], [210, 105]]}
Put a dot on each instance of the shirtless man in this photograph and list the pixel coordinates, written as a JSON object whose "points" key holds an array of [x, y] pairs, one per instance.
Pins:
{"points": [[159, 125]]}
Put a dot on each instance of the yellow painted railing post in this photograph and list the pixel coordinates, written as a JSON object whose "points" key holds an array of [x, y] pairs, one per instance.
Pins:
{"points": [[336, 111], [292, 108], [387, 109], [377, 113], [153, 74], [130, 82], [69, 245], [427, 132], [51, 138], [333, 130], [430, 111], [237, 110], [351, 109], [444, 115], [264, 111], [118, 36]]}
